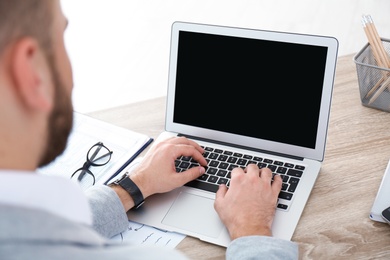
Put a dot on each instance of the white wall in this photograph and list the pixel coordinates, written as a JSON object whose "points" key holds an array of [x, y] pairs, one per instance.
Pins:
{"points": [[119, 48]]}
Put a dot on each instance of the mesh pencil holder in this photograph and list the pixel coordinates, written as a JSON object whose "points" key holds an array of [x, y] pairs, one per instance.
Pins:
{"points": [[373, 87]]}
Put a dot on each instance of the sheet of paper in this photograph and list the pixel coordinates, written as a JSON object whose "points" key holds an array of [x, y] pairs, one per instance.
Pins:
{"points": [[86, 132], [139, 234]]}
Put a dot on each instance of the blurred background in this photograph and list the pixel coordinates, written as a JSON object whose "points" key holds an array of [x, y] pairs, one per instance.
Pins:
{"points": [[119, 49]]}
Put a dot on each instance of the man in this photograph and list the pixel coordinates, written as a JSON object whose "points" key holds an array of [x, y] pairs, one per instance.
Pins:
{"points": [[44, 217]]}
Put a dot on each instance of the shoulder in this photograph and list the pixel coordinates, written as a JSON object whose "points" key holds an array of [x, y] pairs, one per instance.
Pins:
{"points": [[36, 234]]}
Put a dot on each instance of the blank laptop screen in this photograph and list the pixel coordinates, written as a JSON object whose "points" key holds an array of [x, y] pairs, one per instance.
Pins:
{"points": [[258, 88]]}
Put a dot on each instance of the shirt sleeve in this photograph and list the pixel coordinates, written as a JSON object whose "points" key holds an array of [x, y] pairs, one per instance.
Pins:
{"points": [[108, 213], [261, 247]]}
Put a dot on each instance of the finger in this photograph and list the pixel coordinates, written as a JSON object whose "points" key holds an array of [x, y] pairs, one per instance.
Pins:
{"points": [[277, 184], [252, 168], [196, 145], [253, 172], [186, 141], [199, 158], [189, 150], [220, 194], [236, 171], [266, 175]]}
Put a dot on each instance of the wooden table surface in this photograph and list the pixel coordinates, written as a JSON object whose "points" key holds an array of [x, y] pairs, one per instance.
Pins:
{"points": [[335, 222]]}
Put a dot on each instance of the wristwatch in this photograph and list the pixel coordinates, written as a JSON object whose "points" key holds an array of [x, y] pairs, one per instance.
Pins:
{"points": [[126, 183]]}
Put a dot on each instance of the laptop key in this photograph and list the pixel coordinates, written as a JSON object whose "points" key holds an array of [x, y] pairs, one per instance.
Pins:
{"points": [[282, 206], [232, 166], [272, 168], [261, 165], [285, 195], [289, 165], [256, 158], [212, 179], [222, 158], [213, 156], [203, 185], [242, 162], [223, 181], [237, 154], [295, 173], [223, 165], [213, 164], [222, 173], [211, 171], [279, 163], [232, 159], [249, 157], [208, 149], [293, 184], [177, 162], [281, 170], [184, 165], [203, 177]]}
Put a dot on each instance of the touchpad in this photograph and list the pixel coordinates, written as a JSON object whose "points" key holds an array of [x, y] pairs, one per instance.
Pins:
{"points": [[194, 213]]}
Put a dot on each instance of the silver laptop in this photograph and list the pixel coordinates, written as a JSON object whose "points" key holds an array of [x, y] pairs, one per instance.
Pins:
{"points": [[246, 96]]}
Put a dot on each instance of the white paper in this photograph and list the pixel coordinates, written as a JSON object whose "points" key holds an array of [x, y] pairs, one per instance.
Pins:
{"points": [[140, 234], [86, 132]]}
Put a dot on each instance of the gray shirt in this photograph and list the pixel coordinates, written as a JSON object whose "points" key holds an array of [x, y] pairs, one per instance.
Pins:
{"points": [[34, 233]]}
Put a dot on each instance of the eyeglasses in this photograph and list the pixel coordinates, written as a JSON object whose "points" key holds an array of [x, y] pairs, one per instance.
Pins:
{"points": [[98, 155]]}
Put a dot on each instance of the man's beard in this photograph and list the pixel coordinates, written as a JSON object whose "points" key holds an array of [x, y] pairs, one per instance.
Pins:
{"points": [[60, 121]]}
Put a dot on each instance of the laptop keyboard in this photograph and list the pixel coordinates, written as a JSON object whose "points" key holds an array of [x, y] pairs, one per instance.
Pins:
{"points": [[220, 163]]}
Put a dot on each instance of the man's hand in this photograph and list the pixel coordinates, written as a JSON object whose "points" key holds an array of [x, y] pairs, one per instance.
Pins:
{"points": [[248, 206], [157, 172]]}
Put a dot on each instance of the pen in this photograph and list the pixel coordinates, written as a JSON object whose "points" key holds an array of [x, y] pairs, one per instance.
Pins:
{"points": [[380, 56]]}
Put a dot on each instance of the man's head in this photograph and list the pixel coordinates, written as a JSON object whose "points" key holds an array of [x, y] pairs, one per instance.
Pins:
{"points": [[36, 80]]}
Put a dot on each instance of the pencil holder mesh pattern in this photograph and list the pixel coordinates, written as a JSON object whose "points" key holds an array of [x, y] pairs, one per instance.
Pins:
{"points": [[373, 87]]}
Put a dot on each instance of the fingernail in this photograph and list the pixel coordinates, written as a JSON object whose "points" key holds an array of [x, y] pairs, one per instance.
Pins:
{"points": [[202, 170]]}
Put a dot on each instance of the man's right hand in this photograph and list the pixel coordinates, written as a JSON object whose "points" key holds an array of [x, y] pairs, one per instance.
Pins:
{"points": [[248, 206]]}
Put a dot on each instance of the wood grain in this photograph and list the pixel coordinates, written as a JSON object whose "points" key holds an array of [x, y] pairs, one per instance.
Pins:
{"points": [[335, 222]]}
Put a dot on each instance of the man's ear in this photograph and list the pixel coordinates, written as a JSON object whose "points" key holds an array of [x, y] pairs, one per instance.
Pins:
{"points": [[31, 75]]}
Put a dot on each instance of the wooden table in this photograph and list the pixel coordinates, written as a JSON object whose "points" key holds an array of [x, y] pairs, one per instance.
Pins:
{"points": [[335, 222]]}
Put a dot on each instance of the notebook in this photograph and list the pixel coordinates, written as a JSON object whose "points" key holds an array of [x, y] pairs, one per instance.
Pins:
{"points": [[264, 96]]}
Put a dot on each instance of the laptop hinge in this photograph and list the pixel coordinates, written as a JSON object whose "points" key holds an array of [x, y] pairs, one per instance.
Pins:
{"points": [[242, 147]]}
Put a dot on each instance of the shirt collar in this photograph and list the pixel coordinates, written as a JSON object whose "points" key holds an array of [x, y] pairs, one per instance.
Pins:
{"points": [[53, 194]]}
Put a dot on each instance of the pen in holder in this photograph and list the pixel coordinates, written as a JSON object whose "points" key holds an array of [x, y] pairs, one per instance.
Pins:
{"points": [[373, 68], [374, 80]]}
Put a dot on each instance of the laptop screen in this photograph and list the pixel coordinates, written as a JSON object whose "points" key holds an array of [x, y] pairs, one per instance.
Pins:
{"points": [[263, 89]]}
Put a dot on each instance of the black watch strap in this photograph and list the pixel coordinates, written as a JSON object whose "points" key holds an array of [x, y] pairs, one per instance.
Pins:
{"points": [[126, 183]]}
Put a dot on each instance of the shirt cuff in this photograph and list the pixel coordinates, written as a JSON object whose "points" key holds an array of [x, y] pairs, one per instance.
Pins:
{"points": [[109, 216], [261, 247]]}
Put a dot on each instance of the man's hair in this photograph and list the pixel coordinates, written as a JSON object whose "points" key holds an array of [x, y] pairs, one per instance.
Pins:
{"points": [[26, 18]]}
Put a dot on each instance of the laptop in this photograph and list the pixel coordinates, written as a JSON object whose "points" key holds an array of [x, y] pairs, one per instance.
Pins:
{"points": [[246, 96]]}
